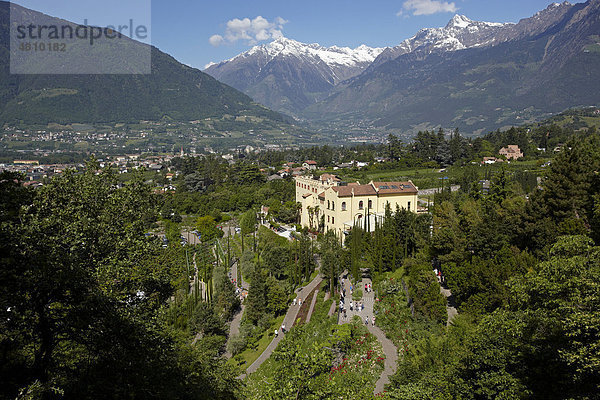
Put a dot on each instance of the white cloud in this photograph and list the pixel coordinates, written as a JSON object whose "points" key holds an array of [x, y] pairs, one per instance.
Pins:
{"points": [[216, 40], [427, 7], [250, 30]]}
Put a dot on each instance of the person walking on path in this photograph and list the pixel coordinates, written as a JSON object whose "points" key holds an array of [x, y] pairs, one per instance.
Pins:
{"points": [[283, 328], [373, 320], [276, 333], [367, 321]]}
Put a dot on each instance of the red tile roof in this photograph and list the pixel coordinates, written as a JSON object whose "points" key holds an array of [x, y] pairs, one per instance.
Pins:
{"points": [[395, 187], [357, 190], [375, 188]]}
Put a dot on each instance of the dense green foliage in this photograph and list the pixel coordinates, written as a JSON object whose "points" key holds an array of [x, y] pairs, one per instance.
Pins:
{"points": [[209, 186], [93, 307], [320, 360], [528, 324], [543, 344], [83, 294]]}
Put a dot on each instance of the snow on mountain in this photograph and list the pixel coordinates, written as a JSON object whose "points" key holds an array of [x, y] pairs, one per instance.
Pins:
{"points": [[460, 33], [288, 75], [337, 58]]}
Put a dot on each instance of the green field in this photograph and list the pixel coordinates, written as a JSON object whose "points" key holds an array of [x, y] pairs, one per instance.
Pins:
{"points": [[427, 178]]}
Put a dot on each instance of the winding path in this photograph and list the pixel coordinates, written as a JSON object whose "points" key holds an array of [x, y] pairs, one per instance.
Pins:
{"points": [[290, 318], [234, 326], [450, 304], [389, 349]]}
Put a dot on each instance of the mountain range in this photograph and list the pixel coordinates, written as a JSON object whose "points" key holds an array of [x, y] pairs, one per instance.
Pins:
{"points": [[172, 91], [290, 76], [473, 75]]}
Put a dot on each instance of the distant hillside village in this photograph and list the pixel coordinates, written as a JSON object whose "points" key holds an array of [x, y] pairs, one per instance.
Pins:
{"points": [[37, 172]]}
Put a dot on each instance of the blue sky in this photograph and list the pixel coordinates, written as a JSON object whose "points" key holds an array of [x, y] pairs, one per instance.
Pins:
{"points": [[183, 28]]}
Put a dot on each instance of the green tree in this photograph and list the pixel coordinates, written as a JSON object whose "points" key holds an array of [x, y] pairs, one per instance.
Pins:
{"points": [[331, 255], [83, 295], [248, 223], [276, 260], [207, 228], [258, 296], [277, 299]]}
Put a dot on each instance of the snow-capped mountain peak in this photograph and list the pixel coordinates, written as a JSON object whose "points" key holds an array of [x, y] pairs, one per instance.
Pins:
{"points": [[332, 56], [460, 33], [296, 67], [459, 21]]}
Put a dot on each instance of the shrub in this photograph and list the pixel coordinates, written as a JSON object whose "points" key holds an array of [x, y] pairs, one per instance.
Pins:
{"points": [[236, 344]]}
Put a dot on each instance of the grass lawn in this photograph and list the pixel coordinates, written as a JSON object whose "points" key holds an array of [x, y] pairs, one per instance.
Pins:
{"points": [[248, 356]]}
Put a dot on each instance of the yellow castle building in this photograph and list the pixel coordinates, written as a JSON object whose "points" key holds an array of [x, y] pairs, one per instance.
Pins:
{"points": [[339, 206]]}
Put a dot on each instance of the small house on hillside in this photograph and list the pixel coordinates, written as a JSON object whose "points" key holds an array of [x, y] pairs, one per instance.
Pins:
{"points": [[310, 165], [511, 152], [491, 160]]}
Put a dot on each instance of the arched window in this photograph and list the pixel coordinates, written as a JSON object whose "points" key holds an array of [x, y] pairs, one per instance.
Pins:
{"points": [[333, 205], [343, 206], [370, 203], [328, 205], [361, 205]]}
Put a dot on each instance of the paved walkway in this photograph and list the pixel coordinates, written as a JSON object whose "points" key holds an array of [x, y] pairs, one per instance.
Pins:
{"points": [[289, 320], [450, 305], [234, 326], [389, 349]]}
